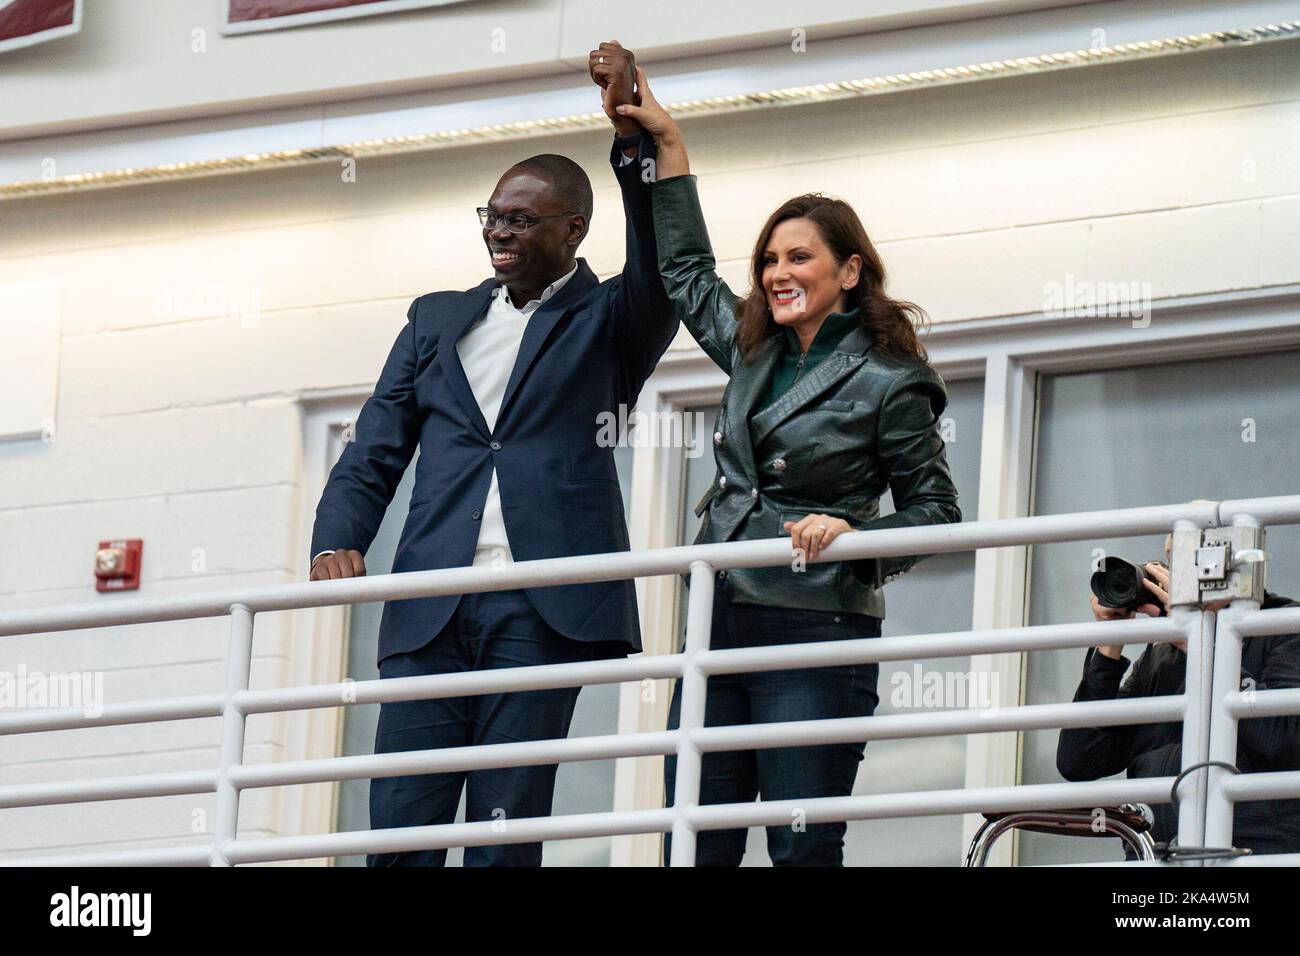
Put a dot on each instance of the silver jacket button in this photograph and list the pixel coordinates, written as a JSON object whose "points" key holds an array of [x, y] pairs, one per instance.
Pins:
{"points": [[753, 492], [778, 464], [722, 481], [717, 438]]}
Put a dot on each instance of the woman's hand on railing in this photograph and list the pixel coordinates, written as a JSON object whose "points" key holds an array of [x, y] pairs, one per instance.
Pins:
{"points": [[814, 532], [338, 564], [654, 119]]}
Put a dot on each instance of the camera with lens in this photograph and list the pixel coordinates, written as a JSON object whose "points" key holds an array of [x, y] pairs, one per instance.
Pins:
{"points": [[1122, 584]]}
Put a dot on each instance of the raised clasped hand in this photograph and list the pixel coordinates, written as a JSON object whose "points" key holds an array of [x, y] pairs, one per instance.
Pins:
{"points": [[613, 69]]}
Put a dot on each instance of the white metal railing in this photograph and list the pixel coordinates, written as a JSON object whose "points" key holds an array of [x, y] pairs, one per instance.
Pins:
{"points": [[1209, 707], [1231, 703]]}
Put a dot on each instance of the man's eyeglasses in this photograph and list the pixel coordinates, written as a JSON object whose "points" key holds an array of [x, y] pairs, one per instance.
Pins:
{"points": [[516, 222]]}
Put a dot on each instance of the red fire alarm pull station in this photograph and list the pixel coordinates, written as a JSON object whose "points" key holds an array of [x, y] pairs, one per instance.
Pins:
{"points": [[117, 565]]}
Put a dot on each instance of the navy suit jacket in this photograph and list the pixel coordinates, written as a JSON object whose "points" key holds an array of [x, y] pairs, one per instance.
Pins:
{"points": [[587, 350]]}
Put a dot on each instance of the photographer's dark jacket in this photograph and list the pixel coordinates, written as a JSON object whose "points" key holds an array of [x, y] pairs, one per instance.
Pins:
{"points": [[1155, 750], [831, 442]]}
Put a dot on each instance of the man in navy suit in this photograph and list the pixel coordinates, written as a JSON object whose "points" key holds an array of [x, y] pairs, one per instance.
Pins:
{"points": [[501, 387]]}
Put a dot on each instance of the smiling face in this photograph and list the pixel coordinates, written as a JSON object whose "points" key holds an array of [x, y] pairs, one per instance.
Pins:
{"points": [[535, 258], [801, 278]]}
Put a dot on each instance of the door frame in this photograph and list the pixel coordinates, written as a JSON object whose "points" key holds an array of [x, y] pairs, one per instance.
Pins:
{"points": [[320, 635]]}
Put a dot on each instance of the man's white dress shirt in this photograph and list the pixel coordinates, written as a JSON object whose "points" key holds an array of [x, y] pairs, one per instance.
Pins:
{"points": [[488, 352]]}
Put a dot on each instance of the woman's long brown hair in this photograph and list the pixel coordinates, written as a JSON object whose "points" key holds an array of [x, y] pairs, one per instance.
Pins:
{"points": [[891, 323]]}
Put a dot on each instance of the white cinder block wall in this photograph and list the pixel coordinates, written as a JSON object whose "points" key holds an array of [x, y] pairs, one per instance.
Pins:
{"points": [[182, 425]]}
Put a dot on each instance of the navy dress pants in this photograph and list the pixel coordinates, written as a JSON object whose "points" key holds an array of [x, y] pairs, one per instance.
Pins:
{"points": [[781, 773], [491, 630]]}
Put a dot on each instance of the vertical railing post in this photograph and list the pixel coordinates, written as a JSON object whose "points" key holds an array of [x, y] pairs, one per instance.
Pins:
{"points": [[1223, 724], [686, 794], [238, 667], [1198, 626]]}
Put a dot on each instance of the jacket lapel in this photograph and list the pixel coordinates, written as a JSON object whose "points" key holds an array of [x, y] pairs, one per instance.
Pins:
{"points": [[847, 358], [748, 381], [540, 324], [468, 310]]}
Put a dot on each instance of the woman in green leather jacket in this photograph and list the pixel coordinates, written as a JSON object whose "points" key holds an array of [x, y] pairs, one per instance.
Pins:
{"points": [[830, 401]]}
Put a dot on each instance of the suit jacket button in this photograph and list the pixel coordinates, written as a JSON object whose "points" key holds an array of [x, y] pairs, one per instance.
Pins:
{"points": [[778, 464], [753, 492], [476, 514], [722, 481], [495, 446], [717, 438]]}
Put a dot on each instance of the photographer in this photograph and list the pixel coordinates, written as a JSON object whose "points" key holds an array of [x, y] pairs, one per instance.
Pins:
{"points": [[1155, 750]]}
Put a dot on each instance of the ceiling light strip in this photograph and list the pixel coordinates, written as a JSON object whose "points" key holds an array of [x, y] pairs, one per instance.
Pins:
{"points": [[788, 96]]}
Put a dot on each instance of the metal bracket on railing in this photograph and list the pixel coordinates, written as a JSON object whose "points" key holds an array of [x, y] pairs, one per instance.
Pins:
{"points": [[1173, 853], [1216, 564]]}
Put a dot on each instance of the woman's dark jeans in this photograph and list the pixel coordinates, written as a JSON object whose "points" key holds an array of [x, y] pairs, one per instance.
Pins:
{"points": [[783, 773]]}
